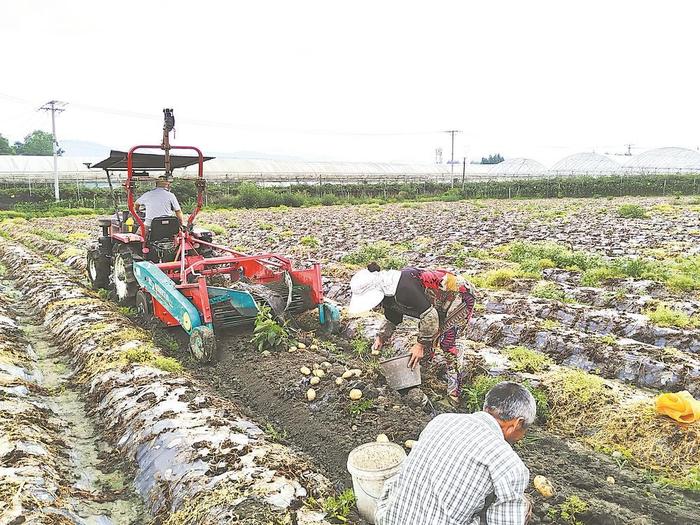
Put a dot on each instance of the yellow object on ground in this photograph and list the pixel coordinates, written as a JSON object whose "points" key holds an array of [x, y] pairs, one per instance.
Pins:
{"points": [[543, 486], [680, 406]]}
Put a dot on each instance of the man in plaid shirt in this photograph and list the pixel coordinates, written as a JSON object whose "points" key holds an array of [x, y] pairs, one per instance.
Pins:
{"points": [[463, 469]]}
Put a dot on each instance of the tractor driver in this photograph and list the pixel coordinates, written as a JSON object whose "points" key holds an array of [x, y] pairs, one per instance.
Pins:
{"points": [[160, 202]]}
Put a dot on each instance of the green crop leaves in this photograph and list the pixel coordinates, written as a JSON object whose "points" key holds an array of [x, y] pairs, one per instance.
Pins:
{"points": [[268, 334], [523, 359], [664, 315], [632, 211], [380, 252]]}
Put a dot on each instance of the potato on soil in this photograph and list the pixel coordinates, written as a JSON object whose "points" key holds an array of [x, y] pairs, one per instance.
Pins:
{"points": [[355, 394], [339, 381], [347, 374], [382, 438], [409, 443], [543, 486], [310, 394], [305, 370], [319, 372], [301, 346], [356, 372], [315, 380]]}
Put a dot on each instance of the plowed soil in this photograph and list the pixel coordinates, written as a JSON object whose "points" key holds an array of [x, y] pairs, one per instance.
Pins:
{"points": [[273, 390]]}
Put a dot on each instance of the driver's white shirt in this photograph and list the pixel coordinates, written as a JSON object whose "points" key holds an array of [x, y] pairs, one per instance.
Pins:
{"points": [[159, 202]]}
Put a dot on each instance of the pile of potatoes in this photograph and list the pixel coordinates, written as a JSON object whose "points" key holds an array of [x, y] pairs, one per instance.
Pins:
{"points": [[409, 443], [317, 372]]}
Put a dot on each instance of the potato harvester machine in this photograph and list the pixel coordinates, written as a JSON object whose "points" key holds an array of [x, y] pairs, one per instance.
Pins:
{"points": [[177, 275]]}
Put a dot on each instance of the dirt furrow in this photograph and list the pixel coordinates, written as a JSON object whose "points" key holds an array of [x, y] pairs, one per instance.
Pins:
{"points": [[273, 389], [195, 457], [594, 320], [51, 452]]}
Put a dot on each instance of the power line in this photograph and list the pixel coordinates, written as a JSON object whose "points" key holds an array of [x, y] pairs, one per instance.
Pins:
{"points": [[54, 106], [18, 100], [249, 128], [221, 124]]}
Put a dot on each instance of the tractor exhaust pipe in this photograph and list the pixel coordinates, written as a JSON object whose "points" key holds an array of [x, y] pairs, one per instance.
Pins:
{"points": [[168, 126]]}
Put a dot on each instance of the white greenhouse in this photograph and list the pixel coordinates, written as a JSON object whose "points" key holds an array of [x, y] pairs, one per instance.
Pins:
{"points": [[33, 169], [585, 164]]}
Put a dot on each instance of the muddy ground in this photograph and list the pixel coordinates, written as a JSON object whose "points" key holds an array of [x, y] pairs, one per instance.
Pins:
{"points": [[273, 390], [58, 466]]}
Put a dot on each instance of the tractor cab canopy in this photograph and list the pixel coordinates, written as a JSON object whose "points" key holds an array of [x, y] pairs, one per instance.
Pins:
{"points": [[145, 162]]}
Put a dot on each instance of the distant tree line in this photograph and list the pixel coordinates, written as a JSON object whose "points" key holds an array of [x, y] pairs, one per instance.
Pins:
{"points": [[492, 159], [36, 143]]}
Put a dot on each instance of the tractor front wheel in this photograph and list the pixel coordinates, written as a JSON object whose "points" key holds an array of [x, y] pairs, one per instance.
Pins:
{"points": [[203, 343], [97, 269], [123, 278]]}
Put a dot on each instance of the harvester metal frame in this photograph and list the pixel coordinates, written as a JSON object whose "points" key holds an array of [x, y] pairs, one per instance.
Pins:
{"points": [[177, 291]]}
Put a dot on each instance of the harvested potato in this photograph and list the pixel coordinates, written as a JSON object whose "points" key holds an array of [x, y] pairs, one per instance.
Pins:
{"points": [[310, 394], [355, 394], [356, 372], [326, 365], [610, 480], [305, 370], [339, 381], [347, 374], [319, 372], [315, 380], [313, 348], [410, 443], [382, 438], [301, 346], [543, 486]]}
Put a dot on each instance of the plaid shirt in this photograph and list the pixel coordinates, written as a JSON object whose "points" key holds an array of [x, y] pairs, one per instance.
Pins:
{"points": [[459, 462]]}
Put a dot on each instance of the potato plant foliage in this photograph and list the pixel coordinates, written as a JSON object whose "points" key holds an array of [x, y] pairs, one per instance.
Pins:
{"points": [[268, 334]]}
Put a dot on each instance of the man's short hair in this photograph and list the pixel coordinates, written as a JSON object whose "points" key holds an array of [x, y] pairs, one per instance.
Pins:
{"points": [[509, 400]]}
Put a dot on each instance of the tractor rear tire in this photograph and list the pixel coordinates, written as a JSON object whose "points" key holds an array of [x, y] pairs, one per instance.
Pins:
{"points": [[144, 307], [203, 343], [97, 269], [123, 278]]}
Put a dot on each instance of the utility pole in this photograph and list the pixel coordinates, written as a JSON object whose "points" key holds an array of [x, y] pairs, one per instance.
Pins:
{"points": [[452, 155], [438, 155], [54, 106]]}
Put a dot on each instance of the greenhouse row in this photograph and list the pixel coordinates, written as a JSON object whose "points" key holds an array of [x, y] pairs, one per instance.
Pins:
{"points": [[660, 160]]}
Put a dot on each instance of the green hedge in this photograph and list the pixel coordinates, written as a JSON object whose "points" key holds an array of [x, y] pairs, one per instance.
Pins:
{"points": [[248, 195]]}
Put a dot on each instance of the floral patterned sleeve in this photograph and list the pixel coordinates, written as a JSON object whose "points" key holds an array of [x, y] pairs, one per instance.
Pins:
{"points": [[386, 330]]}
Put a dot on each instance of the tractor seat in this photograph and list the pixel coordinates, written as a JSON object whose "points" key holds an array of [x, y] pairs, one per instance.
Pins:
{"points": [[163, 228]]}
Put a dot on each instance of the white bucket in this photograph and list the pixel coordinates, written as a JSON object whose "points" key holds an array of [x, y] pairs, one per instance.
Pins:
{"points": [[370, 465]]}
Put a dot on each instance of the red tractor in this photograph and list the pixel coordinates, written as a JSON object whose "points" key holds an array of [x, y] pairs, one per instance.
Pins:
{"points": [[176, 274]]}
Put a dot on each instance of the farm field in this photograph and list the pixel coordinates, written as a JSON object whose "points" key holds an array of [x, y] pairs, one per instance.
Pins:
{"points": [[593, 302]]}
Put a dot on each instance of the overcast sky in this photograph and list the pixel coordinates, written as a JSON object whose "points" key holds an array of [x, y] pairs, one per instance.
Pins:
{"points": [[358, 80]]}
